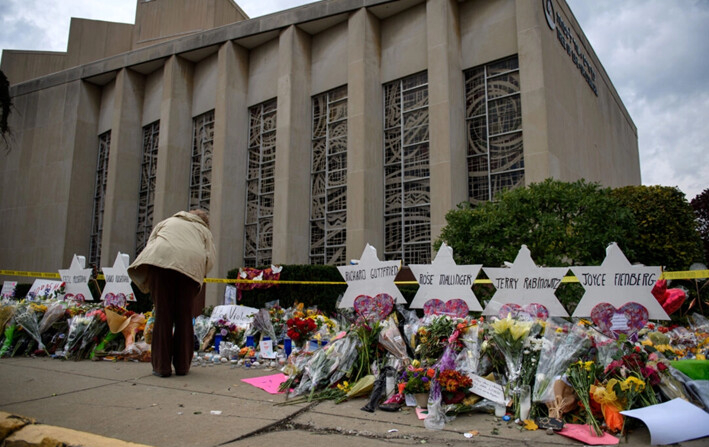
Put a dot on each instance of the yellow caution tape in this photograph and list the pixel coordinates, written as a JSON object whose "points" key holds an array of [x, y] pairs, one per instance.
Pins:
{"points": [[688, 274]]}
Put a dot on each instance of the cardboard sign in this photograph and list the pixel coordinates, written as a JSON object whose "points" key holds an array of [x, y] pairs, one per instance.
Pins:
{"points": [[8, 289], [44, 289], [444, 280], [617, 282], [239, 315], [76, 280], [524, 283], [488, 389], [370, 277], [117, 287]]}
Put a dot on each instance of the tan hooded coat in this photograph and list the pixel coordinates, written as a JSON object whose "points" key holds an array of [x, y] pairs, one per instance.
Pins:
{"points": [[183, 243]]}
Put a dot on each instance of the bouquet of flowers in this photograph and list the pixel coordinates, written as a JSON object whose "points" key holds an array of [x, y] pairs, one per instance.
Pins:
{"points": [[508, 336], [581, 375], [300, 329], [229, 331], [27, 317], [202, 327], [390, 339], [433, 338], [54, 312], [454, 385], [415, 379], [77, 328], [262, 324]]}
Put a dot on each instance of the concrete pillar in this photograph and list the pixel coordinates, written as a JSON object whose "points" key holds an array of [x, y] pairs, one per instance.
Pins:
{"points": [[446, 96], [121, 209], [291, 215], [229, 163], [539, 161], [175, 146], [81, 113], [365, 171]]}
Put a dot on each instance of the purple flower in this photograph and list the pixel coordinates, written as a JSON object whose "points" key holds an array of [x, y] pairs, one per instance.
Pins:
{"points": [[224, 332], [424, 379]]}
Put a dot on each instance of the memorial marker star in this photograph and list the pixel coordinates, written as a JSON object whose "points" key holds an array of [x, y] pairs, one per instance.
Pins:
{"points": [[76, 280], [617, 282], [525, 283], [443, 279], [371, 277], [117, 281]]}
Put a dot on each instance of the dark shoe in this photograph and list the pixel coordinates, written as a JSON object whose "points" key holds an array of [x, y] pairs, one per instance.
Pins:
{"points": [[159, 374], [180, 373]]}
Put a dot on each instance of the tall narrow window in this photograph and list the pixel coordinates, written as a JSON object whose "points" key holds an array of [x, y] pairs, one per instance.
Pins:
{"points": [[407, 192], [328, 178], [146, 194], [201, 166], [104, 145], [260, 184], [494, 121]]}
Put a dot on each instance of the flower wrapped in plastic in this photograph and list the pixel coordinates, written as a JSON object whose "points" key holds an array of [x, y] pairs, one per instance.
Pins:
{"points": [[77, 328], [27, 318], [345, 352], [204, 332], [468, 359], [262, 323], [315, 372], [55, 311], [508, 335], [562, 344], [390, 339]]}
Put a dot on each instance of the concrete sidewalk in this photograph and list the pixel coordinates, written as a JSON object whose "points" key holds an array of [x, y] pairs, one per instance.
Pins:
{"points": [[122, 404]]}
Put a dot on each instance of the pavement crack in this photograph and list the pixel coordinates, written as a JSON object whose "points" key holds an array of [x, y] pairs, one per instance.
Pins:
{"points": [[275, 426]]}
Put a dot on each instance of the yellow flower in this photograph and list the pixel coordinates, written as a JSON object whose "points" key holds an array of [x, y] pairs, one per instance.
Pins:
{"points": [[588, 365], [344, 386], [646, 342], [701, 357], [416, 363], [520, 330], [632, 383], [502, 325]]}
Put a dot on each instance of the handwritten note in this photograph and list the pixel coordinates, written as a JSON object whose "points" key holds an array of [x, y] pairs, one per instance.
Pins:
{"points": [[488, 389]]}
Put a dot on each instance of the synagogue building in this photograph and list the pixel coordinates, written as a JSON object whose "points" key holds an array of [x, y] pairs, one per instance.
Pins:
{"points": [[306, 133]]}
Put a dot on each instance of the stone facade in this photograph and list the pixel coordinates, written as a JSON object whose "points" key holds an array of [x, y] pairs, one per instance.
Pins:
{"points": [[118, 80]]}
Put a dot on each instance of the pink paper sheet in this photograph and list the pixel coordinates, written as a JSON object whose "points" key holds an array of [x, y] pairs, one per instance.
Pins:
{"points": [[269, 384], [421, 413], [582, 432]]}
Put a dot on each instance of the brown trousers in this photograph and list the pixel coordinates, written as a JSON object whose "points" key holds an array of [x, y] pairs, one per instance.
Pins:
{"points": [[173, 335]]}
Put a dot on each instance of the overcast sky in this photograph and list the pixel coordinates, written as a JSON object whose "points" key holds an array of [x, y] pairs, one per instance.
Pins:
{"points": [[656, 53]]}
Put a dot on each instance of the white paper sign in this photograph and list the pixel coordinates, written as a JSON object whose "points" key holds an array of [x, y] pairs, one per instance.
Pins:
{"points": [[76, 280], [44, 289], [617, 282], [672, 422], [524, 283], [239, 315], [488, 389], [445, 280], [8, 289], [117, 290], [370, 277]]}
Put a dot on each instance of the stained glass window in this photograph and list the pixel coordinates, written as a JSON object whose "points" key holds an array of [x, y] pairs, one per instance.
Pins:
{"points": [[328, 178], [201, 165], [494, 126], [407, 207], [260, 185], [146, 193]]}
